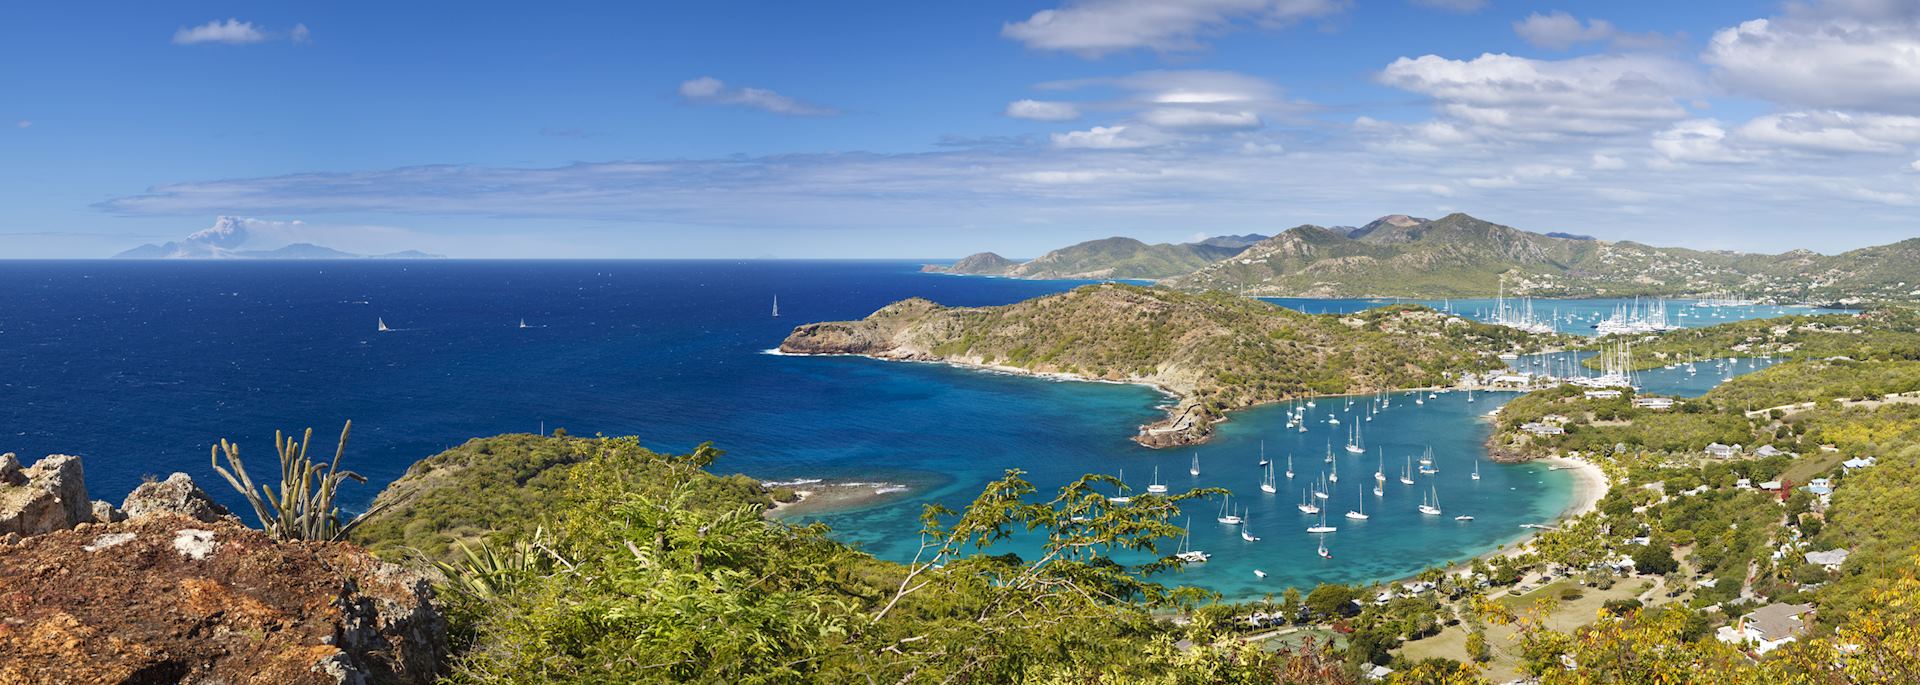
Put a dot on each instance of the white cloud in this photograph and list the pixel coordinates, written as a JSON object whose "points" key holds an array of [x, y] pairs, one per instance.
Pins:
{"points": [[1697, 140], [1608, 162], [1108, 138], [1835, 132], [1559, 30], [1097, 27], [1191, 119], [1502, 96], [230, 32], [1863, 54], [707, 90], [1915, 165], [300, 35], [1459, 6], [1042, 110]]}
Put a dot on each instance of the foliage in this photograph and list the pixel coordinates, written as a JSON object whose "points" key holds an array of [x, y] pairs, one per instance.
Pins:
{"points": [[302, 506]]}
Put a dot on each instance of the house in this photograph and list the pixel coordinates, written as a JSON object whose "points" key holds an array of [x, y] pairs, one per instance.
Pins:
{"points": [[1744, 484], [1602, 394], [1772, 485], [1831, 559], [1653, 402], [1768, 627], [1719, 451], [1858, 463], [1538, 428], [1768, 451], [1377, 673], [1820, 486]]}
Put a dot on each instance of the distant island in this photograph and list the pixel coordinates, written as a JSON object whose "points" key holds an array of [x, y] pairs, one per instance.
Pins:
{"points": [[1212, 351], [1462, 256], [228, 239]]}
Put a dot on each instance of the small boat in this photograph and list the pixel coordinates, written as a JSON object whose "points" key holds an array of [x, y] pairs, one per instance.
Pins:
{"points": [[523, 324], [1463, 517], [1121, 498], [1263, 454], [1188, 555], [1306, 504], [383, 324], [1195, 470], [1361, 513], [1289, 467], [1380, 472], [1377, 492], [1257, 573], [1245, 532], [1335, 476], [1324, 554], [1319, 489], [1406, 477], [1266, 481], [1476, 470], [776, 306], [1157, 487], [1469, 395]]}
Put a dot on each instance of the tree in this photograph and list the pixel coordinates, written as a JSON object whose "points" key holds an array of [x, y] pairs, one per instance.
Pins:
{"points": [[1654, 559], [1477, 648], [1330, 600]]}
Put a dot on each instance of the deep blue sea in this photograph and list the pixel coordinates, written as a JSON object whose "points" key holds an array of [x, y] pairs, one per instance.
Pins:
{"points": [[139, 367]]}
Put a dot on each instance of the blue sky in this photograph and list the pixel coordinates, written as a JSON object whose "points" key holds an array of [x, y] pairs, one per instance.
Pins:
{"points": [[484, 129]]}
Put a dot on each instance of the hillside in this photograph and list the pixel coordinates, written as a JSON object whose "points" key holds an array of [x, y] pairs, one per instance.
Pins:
{"points": [[1462, 256], [1107, 258], [1214, 351]]}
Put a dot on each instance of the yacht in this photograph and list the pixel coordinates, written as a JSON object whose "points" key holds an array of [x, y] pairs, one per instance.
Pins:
{"points": [[1121, 498], [1335, 476], [523, 324], [1361, 513], [1319, 488], [1306, 504], [1266, 481], [1263, 453], [776, 306], [1157, 487], [1431, 507], [1476, 470], [1246, 533], [1406, 477], [1324, 554], [383, 324], [1188, 555], [1323, 527], [1289, 467], [1380, 472], [1226, 512], [1257, 573], [1355, 445], [1195, 469], [1463, 517]]}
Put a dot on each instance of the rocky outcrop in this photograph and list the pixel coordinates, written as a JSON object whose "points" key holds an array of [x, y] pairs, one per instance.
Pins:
{"points": [[166, 598], [175, 495], [48, 496]]}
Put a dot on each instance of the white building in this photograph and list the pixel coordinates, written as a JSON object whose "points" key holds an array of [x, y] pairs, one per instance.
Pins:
{"points": [[1719, 451], [1831, 559], [1767, 627], [1653, 402]]}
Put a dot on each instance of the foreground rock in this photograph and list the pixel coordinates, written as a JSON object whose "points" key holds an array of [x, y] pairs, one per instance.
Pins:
{"points": [[48, 496], [166, 598], [175, 495]]}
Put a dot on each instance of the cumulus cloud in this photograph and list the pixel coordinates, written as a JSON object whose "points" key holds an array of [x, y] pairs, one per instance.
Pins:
{"points": [[1603, 162], [1857, 54], [1697, 140], [1109, 138], [300, 35], [1192, 119], [1498, 95], [1093, 28], [707, 90], [1834, 132], [230, 32], [1042, 110]]}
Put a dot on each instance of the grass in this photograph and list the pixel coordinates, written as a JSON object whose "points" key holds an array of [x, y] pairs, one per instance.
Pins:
{"points": [[1451, 643]]}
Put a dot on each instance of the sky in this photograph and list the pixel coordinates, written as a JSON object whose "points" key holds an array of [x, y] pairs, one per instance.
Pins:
{"points": [[926, 130]]}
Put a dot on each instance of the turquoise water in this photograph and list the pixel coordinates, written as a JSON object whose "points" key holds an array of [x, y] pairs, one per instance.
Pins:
{"points": [[138, 367], [1568, 316], [1677, 381]]}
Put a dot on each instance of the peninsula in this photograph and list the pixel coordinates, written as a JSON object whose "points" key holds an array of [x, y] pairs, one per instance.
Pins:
{"points": [[1214, 352]]}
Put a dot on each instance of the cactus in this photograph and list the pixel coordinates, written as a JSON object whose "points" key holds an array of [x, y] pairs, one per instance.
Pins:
{"points": [[302, 507]]}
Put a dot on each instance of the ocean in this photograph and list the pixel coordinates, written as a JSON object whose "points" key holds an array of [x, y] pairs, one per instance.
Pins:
{"points": [[139, 367]]}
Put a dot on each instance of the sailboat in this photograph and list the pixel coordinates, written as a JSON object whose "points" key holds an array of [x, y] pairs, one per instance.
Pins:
{"points": [[383, 325], [776, 306], [1355, 445], [1469, 394], [1380, 472], [1157, 487], [1476, 470], [1377, 492], [1426, 463], [1306, 504], [1406, 477], [1335, 476], [1324, 554], [1120, 498], [1226, 512], [1361, 513], [1245, 532], [1263, 453], [523, 324], [1431, 507], [1323, 527], [1195, 469], [1320, 490], [1266, 481], [1289, 467], [1188, 555]]}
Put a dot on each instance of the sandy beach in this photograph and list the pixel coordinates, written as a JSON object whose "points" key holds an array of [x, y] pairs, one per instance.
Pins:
{"points": [[817, 496], [1589, 484]]}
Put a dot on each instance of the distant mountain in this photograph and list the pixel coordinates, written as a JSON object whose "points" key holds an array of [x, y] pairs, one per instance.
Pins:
{"points": [[1569, 236], [1107, 258], [1238, 242], [982, 264], [228, 235]]}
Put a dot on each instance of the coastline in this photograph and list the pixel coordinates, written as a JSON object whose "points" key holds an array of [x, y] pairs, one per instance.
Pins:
{"points": [[819, 496]]}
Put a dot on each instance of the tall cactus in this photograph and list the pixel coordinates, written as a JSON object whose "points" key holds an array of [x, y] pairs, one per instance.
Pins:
{"points": [[301, 508]]}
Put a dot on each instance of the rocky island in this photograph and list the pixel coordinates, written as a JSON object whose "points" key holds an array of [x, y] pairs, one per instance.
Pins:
{"points": [[1213, 352]]}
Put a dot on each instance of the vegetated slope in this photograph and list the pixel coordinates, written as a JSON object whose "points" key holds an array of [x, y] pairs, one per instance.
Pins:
{"points": [[1215, 351], [1115, 258]]}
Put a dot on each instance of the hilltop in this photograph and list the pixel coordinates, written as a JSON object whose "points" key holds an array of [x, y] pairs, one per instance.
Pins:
{"points": [[1463, 256], [230, 238], [1213, 351]]}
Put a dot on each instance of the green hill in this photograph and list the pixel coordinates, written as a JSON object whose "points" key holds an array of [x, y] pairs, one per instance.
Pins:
{"points": [[1107, 258]]}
